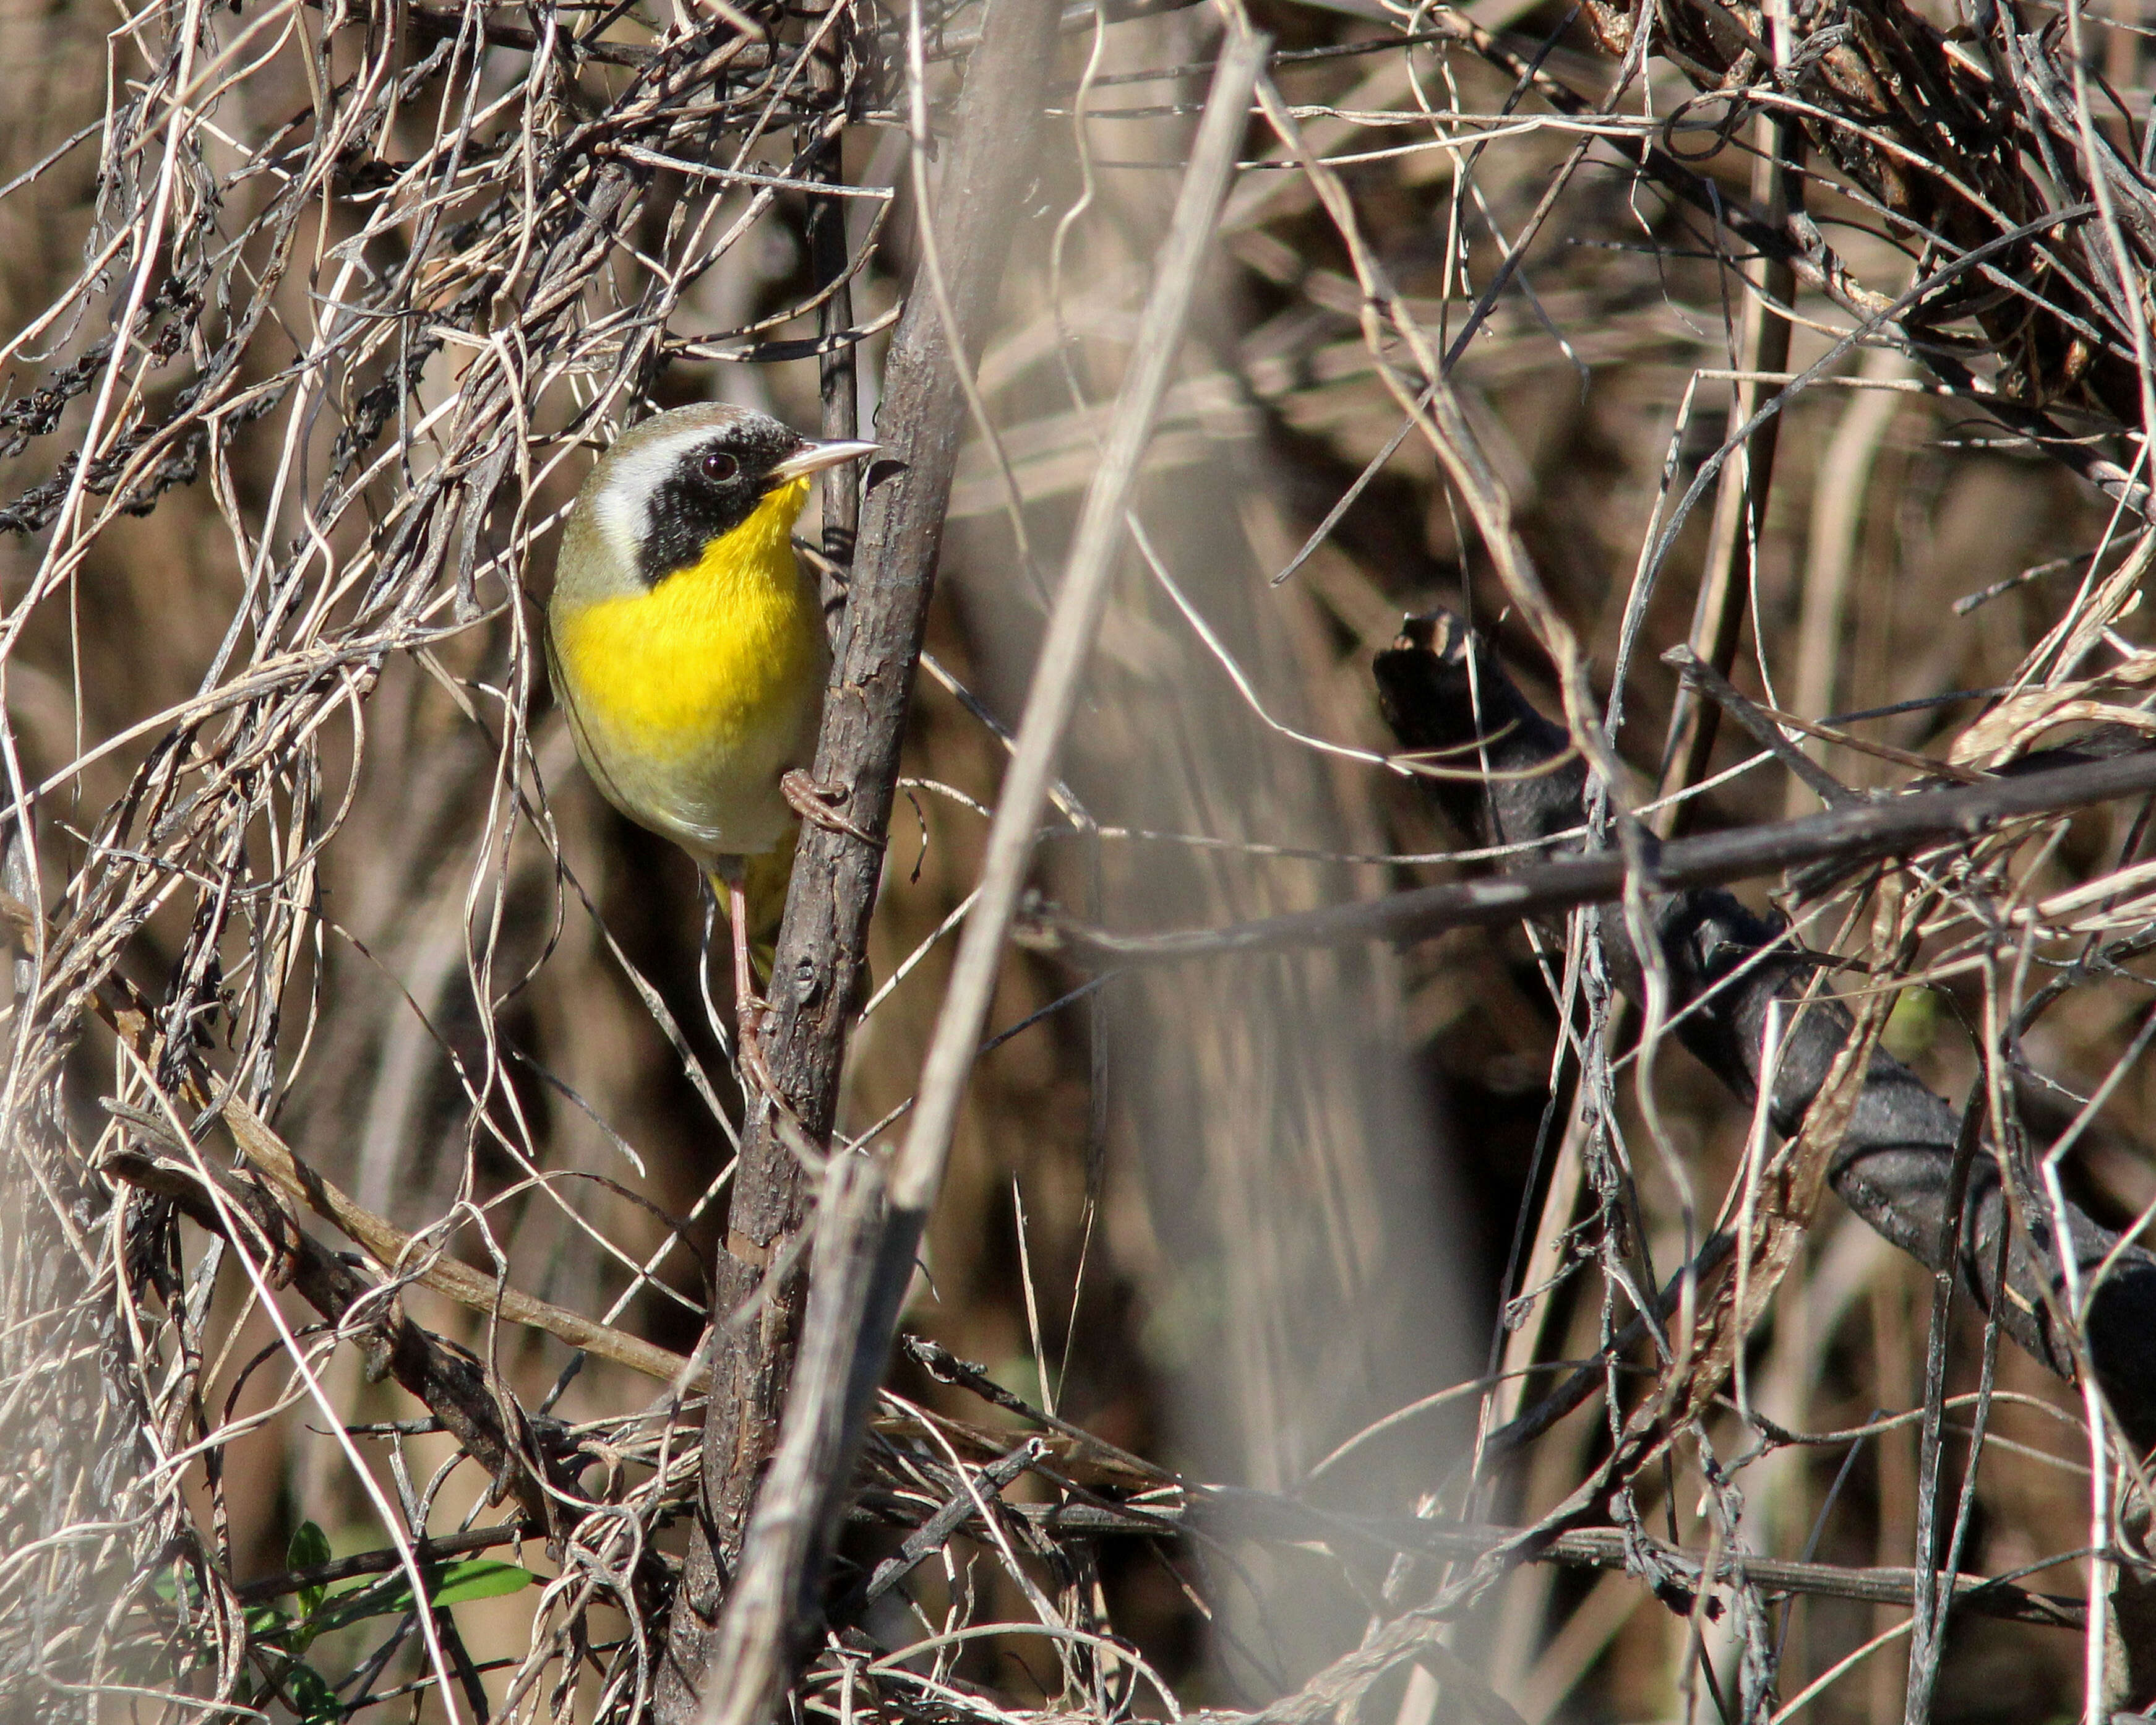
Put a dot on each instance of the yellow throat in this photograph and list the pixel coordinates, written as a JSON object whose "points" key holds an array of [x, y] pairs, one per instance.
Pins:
{"points": [[689, 699], [709, 655]]}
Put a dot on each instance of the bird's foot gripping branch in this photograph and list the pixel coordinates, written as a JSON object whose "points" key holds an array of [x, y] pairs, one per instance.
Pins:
{"points": [[2062, 1287]]}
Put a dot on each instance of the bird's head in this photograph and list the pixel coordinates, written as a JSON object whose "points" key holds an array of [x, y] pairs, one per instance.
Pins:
{"points": [[672, 484]]}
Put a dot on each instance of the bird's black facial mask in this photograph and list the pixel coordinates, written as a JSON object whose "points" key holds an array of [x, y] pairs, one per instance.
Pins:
{"points": [[715, 486]]}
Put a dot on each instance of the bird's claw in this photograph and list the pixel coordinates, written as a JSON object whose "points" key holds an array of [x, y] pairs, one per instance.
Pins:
{"points": [[814, 801], [750, 1012]]}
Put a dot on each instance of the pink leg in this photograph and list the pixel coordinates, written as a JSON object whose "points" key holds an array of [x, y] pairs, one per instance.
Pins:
{"points": [[749, 1005], [746, 998]]}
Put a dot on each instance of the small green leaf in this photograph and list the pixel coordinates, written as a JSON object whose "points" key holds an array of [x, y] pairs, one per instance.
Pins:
{"points": [[381, 1597], [480, 1578], [309, 1546], [311, 1694], [263, 1621], [450, 1584], [1914, 1025]]}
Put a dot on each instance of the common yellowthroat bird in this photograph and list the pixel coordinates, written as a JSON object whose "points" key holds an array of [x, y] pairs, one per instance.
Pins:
{"points": [[687, 647]]}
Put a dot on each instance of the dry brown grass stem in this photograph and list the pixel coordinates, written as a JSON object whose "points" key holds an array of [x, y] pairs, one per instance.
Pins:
{"points": [[372, 1158]]}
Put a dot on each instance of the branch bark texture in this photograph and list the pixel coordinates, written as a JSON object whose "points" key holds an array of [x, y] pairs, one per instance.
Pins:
{"points": [[824, 940], [2056, 781]]}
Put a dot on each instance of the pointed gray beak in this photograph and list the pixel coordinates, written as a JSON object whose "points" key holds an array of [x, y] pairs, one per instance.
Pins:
{"points": [[815, 458]]}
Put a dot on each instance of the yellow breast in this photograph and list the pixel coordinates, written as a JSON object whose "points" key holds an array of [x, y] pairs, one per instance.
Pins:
{"points": [[689, 699]]}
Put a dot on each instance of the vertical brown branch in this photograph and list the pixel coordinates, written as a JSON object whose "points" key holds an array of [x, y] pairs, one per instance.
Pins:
{"points": [[867, 1243], [824, 940]]}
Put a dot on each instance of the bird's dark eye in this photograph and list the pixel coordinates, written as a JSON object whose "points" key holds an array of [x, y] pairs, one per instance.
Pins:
{"points": [[719, 466]]}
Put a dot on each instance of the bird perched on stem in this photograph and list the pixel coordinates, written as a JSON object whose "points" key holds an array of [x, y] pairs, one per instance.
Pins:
{"points": [[687, 647]]}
